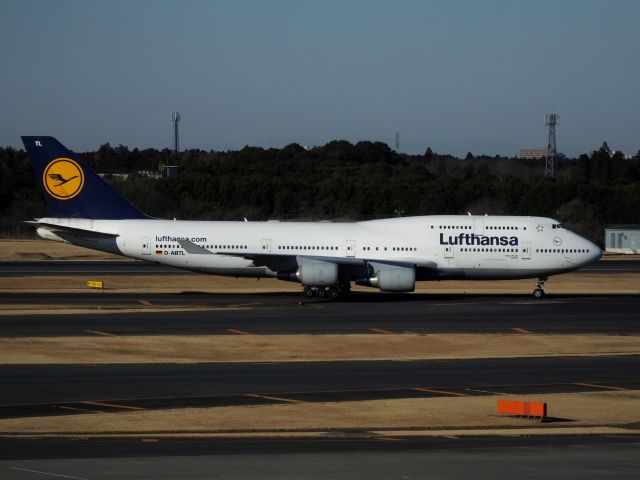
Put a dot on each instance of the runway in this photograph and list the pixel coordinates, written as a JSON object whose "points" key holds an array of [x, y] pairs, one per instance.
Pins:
{"points": [[68, 389], [286, 313], [135, 267]]}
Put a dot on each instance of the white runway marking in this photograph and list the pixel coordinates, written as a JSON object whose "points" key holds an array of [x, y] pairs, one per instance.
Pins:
{"points": [[48, 473], [486, 391]]}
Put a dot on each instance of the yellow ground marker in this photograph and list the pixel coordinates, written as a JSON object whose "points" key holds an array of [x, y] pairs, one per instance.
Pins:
{"points": [[271, 397], [382, 330], [521, 330], [604, 387], [98, 332], [237, 332], [112, 405], [150, 440], [444, 392], [146, 303]]}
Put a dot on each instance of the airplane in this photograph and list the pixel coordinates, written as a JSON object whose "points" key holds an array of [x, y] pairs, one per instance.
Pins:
{"points": [[325, 258]]}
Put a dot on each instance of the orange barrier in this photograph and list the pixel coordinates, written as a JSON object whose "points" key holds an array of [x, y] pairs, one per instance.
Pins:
{"points": [[522, 409]]}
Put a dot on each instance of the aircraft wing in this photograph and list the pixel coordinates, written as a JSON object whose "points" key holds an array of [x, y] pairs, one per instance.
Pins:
{"points": [[286, 262], [193, 249]]}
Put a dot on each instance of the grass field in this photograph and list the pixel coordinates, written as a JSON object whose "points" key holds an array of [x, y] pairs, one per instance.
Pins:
{"points": [[100, 349], [575, 413]]}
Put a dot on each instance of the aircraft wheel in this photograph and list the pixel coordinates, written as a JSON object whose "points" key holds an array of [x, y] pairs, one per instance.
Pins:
{"points": [[333, 293], [320, 292], [308, 292], [538, 293]]}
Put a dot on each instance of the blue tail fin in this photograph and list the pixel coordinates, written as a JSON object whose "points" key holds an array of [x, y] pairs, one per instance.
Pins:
{"points": [[70, 187]]}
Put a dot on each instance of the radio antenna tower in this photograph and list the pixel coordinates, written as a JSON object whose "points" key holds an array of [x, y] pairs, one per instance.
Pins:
{"points": [[175, 118], [551, 120], [397, 142]]}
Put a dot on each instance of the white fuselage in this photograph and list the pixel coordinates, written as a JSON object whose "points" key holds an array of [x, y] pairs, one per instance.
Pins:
{"points": [[472, 247]]}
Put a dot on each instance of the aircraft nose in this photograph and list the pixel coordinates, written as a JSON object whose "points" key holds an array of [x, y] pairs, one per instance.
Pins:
{"points": [[595, 251]]}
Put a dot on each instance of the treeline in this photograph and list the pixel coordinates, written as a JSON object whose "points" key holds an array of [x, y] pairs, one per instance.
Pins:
{"points": [[342, 181]]}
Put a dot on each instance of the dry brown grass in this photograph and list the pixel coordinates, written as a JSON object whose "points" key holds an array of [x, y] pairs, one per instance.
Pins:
{"points": [[48, 250], [295, 348], [146, 284], [585, 410], [571, 283]]}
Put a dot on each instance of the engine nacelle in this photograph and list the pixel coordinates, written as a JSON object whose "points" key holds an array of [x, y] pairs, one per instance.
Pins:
{"points": [[392, 279], [318, 274]]}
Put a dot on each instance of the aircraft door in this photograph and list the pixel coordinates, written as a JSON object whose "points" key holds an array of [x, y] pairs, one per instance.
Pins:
{"points": [[145, 247], [448, 251], [265, 245], [351, 248], [478, 226], [526, 251]]}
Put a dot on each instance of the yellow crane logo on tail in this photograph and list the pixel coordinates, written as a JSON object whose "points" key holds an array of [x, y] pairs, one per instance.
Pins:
{"points": [[63, 178]]}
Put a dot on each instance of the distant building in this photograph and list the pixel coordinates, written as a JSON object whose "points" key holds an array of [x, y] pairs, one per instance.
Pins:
{"points": [[149, 173], [121, 176], [171, 170], [533, 153], [622, 239]]}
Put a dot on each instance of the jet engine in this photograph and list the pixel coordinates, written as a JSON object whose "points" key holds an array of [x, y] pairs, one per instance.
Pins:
{"points": [[392, 279], [318, 274]]}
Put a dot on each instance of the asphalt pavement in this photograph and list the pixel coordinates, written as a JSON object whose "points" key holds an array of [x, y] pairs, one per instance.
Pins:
{"points": [[288, 313], [85, 389], [60, 389], [352, 458]]}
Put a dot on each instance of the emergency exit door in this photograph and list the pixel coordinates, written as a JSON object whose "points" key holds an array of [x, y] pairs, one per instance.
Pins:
{"points": [[145, 247]]}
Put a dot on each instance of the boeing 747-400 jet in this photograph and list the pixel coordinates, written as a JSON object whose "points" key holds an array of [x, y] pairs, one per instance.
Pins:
{"points": [[325, 258]]}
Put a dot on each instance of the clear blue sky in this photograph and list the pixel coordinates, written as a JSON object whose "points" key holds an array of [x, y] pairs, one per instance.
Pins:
{"points": [[457, 76]]}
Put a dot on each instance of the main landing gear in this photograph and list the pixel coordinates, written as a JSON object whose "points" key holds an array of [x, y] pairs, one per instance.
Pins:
{"points": [[538, 292], [332, 293]]}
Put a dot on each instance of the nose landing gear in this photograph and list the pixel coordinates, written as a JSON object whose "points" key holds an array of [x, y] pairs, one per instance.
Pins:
{"points": [[539, 292]]}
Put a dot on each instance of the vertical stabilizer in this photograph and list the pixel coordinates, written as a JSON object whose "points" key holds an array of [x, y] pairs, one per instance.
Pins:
{"points": [[70, 187]]}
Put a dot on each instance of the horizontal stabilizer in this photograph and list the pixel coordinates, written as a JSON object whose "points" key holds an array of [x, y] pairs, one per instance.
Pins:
{"points": [[53, 227]]}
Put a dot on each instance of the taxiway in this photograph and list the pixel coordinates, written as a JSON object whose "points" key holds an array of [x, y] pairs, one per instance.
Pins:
{"points": [[286, 313]]}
